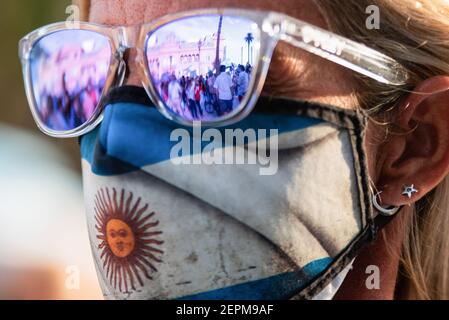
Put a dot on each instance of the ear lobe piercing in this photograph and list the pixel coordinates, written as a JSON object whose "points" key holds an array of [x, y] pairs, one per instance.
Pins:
{"points": [[409, 191], [387, 212]]}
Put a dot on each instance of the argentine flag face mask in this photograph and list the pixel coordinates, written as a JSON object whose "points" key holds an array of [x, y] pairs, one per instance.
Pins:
{"points": [[197, 213]]}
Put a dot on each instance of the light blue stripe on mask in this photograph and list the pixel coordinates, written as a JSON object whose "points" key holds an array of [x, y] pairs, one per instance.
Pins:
{"points": [[279, 287], [138, 136]]}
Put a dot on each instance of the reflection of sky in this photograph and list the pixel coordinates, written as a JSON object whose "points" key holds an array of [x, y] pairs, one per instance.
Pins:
{"points": [[89, 40], [234, 31]]}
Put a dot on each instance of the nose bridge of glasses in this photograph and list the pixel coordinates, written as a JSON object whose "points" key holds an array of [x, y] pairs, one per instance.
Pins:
{"points": [[128, 37], [129, 55]]}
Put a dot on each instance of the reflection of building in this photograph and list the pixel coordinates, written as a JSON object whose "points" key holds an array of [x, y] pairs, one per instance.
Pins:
{"points": [[72, 66], [178, 57]]}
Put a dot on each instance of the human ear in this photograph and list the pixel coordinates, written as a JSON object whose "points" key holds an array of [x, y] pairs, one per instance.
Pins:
{"points": [[419, 155]]}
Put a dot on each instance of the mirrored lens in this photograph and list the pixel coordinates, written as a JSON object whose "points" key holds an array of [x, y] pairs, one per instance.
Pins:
{"points": [[68, 75], [202, 66]]}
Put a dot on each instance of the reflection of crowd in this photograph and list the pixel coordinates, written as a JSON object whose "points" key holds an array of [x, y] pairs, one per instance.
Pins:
{"points": [[71, 103], [199, 97]]}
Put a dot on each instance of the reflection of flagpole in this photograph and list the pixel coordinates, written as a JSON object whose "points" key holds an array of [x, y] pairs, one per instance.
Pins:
{"points": [[217, 55], [199, 56], [252, 55]]}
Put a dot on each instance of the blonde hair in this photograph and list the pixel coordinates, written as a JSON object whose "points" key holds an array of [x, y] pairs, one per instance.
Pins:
{"points": [[416, 34]]}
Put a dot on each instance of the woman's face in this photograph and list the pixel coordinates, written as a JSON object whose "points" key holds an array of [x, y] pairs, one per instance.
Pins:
{"points": [[300, 73], [293, 72]]}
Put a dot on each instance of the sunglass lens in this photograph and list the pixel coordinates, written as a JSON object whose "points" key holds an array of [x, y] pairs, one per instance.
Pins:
{"points": [[201, 66], [68, 74]]}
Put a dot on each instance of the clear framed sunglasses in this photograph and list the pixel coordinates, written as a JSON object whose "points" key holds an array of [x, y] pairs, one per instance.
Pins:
{"points": [[203, 65]]}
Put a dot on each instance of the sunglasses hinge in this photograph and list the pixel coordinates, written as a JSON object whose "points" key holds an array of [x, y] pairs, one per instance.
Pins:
{"points": [[24, 48]]}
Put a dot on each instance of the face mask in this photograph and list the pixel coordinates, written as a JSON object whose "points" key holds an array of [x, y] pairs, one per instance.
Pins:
{"points": [[165, 222]]}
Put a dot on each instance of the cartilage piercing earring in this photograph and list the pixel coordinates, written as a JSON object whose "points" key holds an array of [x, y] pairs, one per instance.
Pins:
{"points": [[409, 191]]}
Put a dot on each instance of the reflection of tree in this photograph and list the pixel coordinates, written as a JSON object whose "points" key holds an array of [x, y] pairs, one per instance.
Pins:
{"points": [[249, 39], [217, 56]]}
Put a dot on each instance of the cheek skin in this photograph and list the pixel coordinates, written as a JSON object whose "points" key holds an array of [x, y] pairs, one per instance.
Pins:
{"points": [[293, 72]]}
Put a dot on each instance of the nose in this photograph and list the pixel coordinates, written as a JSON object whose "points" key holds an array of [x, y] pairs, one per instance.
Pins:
{"points": [[133, 68], [129, 39]]}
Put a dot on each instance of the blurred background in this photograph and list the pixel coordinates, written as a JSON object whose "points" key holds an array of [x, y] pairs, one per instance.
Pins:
{"points": [[44, 245]]}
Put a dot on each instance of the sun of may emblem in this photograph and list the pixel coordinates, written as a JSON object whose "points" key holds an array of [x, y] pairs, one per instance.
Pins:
{"points": [[130, 244]]}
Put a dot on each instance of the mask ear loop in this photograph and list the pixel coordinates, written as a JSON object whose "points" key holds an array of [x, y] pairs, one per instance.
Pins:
{"points": [[386, 212]]}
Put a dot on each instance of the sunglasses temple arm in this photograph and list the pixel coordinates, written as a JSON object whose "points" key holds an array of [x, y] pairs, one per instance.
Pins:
{"points": [[342, 51]]}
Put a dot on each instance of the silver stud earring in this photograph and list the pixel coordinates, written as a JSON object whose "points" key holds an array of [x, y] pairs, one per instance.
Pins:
{"points": [[409, 191], [388, 212]]}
